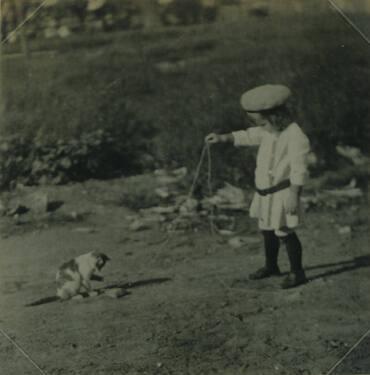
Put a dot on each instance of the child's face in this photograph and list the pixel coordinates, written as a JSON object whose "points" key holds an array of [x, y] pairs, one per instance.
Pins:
{"points": [[260, 120], [257, 119]]}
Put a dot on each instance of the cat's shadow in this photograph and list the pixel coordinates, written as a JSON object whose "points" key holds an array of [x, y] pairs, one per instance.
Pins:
{"points": [[125, 286], [100, 291]]}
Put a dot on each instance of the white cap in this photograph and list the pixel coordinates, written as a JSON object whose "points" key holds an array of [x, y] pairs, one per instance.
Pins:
{"points": [[265, 97]]}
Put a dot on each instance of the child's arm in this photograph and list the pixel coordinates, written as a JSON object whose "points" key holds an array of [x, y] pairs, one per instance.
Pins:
{"points": [[249, 137], [298, 149], [219, 138]]}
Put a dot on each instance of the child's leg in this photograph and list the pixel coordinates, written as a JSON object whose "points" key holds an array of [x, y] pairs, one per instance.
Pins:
{"points": [[271, 244], [294, 250]]}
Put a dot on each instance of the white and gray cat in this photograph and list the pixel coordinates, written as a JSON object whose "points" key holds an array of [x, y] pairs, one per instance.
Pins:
{"points": [[74, 277]]}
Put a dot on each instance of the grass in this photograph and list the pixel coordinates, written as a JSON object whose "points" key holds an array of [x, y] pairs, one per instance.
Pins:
{"points": [[58, 95]]}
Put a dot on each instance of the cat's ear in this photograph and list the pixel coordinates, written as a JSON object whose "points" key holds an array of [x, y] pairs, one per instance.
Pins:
{"points": [[101, 259]]}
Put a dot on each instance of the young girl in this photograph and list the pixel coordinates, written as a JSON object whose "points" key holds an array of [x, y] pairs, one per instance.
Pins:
{"points": [[281, 172]]}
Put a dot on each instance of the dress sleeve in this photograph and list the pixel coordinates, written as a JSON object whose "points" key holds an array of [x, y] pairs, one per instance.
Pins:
{"points": [[249, 137], [298, 150]]}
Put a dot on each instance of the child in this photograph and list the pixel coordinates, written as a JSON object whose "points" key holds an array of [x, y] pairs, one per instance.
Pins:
{"points": [[279, 176]]}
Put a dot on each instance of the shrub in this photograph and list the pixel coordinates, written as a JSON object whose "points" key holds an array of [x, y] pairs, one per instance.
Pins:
{"points": [[116, 88], [120, 148]]}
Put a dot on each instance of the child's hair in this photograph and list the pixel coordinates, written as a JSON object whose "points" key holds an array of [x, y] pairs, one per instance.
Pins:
{"points": [[280, 116]]}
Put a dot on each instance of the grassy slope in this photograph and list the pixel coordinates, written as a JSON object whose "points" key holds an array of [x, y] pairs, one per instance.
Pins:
{"points": [[321, 58]]}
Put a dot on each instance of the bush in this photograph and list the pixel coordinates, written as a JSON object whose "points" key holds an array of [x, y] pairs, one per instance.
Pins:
{"points": [[118, 89], [120, 148]]}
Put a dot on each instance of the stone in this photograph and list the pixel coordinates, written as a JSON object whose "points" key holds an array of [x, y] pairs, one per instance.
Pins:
{"points": [[237, 242], [116, 292], [345, 230], [162, 192], [84, 230], [137, 225], [37, 202]]}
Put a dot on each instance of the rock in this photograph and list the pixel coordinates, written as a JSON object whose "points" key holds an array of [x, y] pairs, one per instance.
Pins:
{"points": [[16, 209], [78, 297], [74, 215], [168, 67], [64, 32], [2, 208], [154, 218], [334, 344], [180, 225], [162, 210], [84, 230], [312, 159], [225, 232], [345, 230], [37, 202], [237, 242], [180, 172], [162, 192], [160, 172], [229, 197], [189, 206], [116, 292], [93, 5], [224, 223], [354, 154], [137, 225], [50, 32], [259, 9], [170, 177], [293, 295], [345, 192], [131, 217]]}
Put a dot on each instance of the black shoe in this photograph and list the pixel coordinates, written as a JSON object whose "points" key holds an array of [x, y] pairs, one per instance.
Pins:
{"points": [[294, 279], [264, 272]]}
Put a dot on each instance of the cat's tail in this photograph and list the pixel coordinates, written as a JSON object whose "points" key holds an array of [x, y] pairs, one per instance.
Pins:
{"points": [[43, 301]]}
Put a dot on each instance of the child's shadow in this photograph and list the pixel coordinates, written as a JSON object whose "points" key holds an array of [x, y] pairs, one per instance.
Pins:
{"points": [[135, 284], [348, 265]]}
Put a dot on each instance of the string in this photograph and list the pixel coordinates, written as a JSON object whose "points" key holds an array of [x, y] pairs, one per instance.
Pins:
{"points": [[197, 171], [23, 352], [210, 190], [206, 151]]}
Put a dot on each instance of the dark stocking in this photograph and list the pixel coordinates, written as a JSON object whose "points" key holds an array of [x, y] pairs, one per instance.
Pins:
{"points": [[294, 250], [271, 249]]}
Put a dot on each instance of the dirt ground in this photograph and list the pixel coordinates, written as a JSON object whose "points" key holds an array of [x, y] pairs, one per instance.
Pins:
{"points": [[191, 308]]}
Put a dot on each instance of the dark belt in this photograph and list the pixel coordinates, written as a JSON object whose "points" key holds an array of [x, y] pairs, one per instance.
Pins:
{"points": [[273, 189]]}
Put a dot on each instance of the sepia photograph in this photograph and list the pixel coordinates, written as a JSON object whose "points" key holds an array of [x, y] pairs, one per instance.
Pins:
{"points": [[184, 187]]}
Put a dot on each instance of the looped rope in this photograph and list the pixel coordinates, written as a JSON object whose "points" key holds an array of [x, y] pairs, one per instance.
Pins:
{"points": [[206, 151]]}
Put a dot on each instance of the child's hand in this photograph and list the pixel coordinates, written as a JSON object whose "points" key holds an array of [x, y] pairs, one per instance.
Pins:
{"points": [[212, 138], [292, 203]]}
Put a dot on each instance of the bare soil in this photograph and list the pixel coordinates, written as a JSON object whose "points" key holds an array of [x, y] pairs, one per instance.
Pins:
{"points": [[191, 308]]}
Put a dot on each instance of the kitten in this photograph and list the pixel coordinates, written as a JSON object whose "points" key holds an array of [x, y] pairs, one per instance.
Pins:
{"points": [[74, 276]]}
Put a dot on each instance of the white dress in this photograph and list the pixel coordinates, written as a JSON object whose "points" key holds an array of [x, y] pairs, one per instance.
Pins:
{"points": [[280, 156]]}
